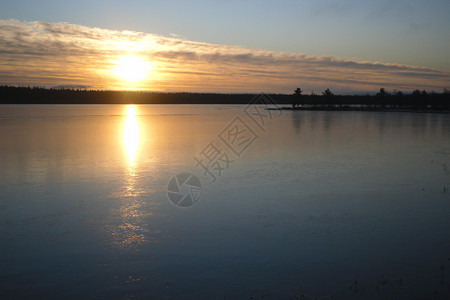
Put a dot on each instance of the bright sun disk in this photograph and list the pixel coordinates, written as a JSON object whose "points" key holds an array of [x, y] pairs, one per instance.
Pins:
{"points": [[132, 68]]}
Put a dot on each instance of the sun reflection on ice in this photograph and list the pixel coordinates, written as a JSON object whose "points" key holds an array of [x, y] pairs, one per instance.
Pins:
{"points": [[131, 135], [127, 224]]}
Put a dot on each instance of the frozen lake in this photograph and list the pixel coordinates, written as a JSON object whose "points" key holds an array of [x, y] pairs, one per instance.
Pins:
{"points": [[319, 204]]}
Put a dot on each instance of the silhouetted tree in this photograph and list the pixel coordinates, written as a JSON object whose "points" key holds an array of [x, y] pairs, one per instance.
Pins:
{"points": [[399, 99], [327, 93], [416, 93], [382, 93], [297, 95]]}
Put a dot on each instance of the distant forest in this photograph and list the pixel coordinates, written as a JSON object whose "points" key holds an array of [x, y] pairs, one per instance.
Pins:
{"points": [[417, 100]]}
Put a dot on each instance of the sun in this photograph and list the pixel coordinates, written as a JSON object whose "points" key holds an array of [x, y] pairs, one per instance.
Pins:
{"points": [[132, 68]]}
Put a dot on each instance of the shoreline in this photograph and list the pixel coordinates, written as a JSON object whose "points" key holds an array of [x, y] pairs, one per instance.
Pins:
{"points": [[371, 109]]}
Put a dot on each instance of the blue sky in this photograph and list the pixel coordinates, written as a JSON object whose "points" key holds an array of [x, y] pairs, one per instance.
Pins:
{"points": [[414, 32]]}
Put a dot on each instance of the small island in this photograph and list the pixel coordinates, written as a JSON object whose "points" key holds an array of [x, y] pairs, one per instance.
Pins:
{"points": [[415, 101]]}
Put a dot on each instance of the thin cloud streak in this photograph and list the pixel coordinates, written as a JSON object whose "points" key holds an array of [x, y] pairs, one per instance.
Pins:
{"points": [[62, 54]]}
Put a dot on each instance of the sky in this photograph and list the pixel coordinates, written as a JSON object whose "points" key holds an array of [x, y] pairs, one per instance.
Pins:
{"points": [[348, 46]]}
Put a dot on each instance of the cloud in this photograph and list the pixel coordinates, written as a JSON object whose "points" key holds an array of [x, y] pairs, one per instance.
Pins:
{"points": [[71, 86], [63, 54]]}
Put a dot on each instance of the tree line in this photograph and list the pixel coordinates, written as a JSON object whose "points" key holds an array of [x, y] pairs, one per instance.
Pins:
{"points": [[298, 100], [383, 100]]}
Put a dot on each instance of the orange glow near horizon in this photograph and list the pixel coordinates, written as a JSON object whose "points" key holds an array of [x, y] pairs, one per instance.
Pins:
{"points": [[104, 59]]}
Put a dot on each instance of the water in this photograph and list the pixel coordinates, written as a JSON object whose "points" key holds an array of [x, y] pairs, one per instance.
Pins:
{"points": [[320, 204]]}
